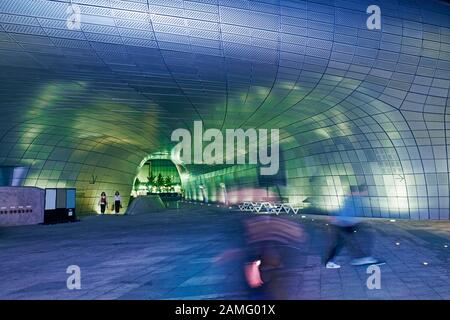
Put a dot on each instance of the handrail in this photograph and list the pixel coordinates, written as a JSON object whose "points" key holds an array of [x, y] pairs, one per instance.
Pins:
{"points": [[268, 207]]}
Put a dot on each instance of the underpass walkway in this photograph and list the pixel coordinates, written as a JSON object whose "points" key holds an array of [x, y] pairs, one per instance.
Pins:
{"points": [[179, 254]]}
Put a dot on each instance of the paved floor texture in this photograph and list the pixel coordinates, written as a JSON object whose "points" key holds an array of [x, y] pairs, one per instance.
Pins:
{"points": [[175, 255]]}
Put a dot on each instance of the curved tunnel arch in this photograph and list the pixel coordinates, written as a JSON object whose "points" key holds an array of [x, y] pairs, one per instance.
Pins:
{"points": [[353, 105]]}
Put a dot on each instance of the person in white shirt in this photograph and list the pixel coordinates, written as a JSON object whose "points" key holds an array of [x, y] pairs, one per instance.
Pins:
{"points": [[117, 202]]}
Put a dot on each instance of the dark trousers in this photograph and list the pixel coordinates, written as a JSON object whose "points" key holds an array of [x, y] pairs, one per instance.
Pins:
{"points": [[102, 208], [117, 206], [358, 243]]}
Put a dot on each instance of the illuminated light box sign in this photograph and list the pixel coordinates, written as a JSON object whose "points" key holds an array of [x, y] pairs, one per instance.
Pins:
{"points": [[21, 206], [59, 205]]}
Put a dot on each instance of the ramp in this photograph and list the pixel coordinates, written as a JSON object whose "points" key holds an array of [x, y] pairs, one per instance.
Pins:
{"points": [[146, 204]]}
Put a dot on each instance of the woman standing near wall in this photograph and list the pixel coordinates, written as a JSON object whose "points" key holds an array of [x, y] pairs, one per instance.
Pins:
{"points": [[117, 202], [103, 202]]}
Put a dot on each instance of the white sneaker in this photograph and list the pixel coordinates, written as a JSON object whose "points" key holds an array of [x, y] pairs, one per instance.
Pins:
{"points": [[363, 261], [332, 265]]}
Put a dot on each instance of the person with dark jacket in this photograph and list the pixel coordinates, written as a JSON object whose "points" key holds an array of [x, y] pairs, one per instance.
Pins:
{"points": [[103, 202]]}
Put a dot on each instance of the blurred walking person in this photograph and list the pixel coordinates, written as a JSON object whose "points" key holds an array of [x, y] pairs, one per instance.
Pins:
{"points": [[344, 228], [271, 257]]}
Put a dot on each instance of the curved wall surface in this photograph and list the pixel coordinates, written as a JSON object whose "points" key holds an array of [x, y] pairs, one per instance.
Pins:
{"points": [[81, 107]]}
